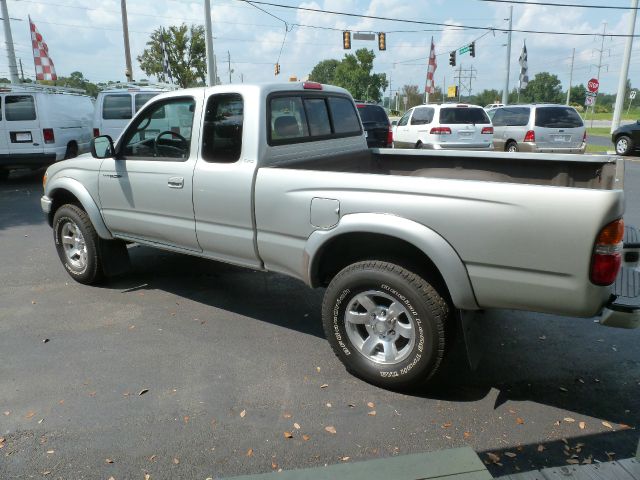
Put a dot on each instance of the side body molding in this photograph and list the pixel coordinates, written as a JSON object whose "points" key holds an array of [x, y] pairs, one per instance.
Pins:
{"points": [[431, 243], [88, 203]]}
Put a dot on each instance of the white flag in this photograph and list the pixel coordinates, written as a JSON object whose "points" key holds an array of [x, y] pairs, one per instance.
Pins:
{"points": [[524, 68]]}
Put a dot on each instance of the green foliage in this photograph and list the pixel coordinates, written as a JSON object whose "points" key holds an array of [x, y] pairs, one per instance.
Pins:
{"points": [[413, 95], [75, 80], [544, 88], [353, 72], [186, 50], [486, 97], [578, 94]]}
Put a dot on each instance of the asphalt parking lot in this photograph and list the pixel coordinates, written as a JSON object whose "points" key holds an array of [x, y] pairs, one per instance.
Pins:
{"points": [[191, 369]]}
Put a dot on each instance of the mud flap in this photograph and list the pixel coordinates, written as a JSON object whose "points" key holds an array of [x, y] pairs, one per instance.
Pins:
{"points": [[115, 257]]}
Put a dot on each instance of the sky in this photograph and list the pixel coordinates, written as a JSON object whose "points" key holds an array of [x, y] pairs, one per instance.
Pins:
{"points": [[87, 36]]}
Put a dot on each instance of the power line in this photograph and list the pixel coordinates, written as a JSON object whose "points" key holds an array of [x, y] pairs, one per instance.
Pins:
{"points": [[422, 22], [549, 4]]}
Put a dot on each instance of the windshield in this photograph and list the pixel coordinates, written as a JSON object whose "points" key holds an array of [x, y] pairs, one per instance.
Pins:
{"points": [[372, 114]]}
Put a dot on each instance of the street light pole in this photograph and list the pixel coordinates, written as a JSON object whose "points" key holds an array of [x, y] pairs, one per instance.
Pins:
{"points": [[8, 39], [125, 32], [211, 64], [624, 70], [573, 55], [505, 92]]}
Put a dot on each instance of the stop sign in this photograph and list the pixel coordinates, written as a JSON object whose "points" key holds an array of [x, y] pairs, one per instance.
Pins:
{"points": [[593, 85]]}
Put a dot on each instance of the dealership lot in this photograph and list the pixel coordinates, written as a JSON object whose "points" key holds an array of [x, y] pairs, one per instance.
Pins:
{"points": [[192, 369]]}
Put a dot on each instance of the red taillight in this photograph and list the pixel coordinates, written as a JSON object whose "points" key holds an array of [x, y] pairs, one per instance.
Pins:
{"points": [[312, 86], [440, 131], [487, 130], [48, 135], [96, 132], [390, 137], [607, 256], [530, 136]]}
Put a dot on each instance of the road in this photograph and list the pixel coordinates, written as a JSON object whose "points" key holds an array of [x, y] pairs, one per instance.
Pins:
{"points": [[186, 369]]}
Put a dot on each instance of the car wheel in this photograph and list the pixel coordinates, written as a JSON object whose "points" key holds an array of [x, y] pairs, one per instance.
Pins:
{"points": [[385, 324], [512, 147], [72, 151], [624, 145], [77, 244], [418, 144]]}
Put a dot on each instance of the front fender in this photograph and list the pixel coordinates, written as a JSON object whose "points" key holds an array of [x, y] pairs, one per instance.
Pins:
{"points": [[78, 190], [439, 251]]}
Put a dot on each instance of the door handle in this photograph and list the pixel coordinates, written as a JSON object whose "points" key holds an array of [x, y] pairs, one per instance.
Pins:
{"points": [[176, 182], [109, 175]]}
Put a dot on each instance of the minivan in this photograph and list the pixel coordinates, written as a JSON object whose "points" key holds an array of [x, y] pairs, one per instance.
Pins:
{"points": [[548, 128], [40, 125]]}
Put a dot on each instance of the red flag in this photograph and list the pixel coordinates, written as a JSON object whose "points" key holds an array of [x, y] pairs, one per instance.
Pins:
{"points": [[44, 65], [431, 68]]}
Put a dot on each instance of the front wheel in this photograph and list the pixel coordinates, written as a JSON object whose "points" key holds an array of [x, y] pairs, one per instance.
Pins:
{"points": [[386, 324], [77, 244], [624, 145], [512, 147]]}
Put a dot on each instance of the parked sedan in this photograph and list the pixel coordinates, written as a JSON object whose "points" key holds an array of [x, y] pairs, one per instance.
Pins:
{"points": [[626, 138]]}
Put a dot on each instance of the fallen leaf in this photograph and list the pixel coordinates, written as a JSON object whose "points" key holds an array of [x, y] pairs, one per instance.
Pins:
{"points": [[305, 437], [61, 402], [324, 385], [371, 405], [143, 391], [624, 426], [510, 454], [243, 413], [466, 434], [29, 414], [50, 451], [541, 448], [610, 455], [607, 424], [41, 420], [274, 465], [569, 419], [331, 429], [345, 459], [588, 460], [108, 460], [286, 415], [46, 340], [176, 461], [131, 327], [318, 369], [446, 425], [582, 425], [520, 421], [152, 458], [112, 478], [147, 476], [328, 405], [352, 405], [7, 413], [573, 461], [493, 457], [296, 426], [185, 419], [250, 452], [92, 394], [557, 423], [288, 435], [46, 472], [543, 337], [563, 389]]}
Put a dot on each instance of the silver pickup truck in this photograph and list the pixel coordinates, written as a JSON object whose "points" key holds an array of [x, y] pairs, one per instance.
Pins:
{"points": [[278, 177]]}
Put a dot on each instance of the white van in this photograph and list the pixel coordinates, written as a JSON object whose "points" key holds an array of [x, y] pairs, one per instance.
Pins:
{"points": [[40, 125], [118, 103]]}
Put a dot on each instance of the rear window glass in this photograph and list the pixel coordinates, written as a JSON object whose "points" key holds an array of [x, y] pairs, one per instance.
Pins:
{"points": [[422, 116], [463, 115], [372, 114], [288, 120], [317, 116], [20, 108], [344, 116], [142, 98], [117, 107], [557, 117]]}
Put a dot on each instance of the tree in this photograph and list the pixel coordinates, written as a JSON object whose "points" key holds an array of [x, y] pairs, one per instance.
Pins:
{"points": [[324, 72], [186, 51], [544, 88], [578, 93], [413, 96], [75, 80], [486, 97]]}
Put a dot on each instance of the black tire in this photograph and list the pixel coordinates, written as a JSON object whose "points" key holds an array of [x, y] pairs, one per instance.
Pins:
{"points": [[87, 267], [4, 175], [511, 147], [418, 145], [72, 151], [424, 310], [624, 145]]}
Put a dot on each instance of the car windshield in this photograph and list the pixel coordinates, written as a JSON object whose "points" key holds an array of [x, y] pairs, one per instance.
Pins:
{"points": [[372, 114], [463, 115], [557, 117]]}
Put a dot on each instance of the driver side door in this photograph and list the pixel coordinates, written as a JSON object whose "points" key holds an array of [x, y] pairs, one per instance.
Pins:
{"points": [[146, 191]]}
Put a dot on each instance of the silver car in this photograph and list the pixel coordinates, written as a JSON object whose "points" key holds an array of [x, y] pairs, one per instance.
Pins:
{"points": [[544, 128]]}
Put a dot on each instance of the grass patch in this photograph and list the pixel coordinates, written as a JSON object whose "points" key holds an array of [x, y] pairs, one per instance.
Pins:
{"points": [[633, 114], [599, 131], [598, 148]]}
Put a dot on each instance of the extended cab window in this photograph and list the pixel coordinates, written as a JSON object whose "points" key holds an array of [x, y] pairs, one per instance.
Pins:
{"points": [[19, 108], [161, 132], [222, 130], [117, 107]]}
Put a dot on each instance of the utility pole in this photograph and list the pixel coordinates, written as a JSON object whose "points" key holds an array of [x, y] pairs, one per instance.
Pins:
{"points": [[505, 92], [624, 73], [229, 64], [125, 31], [8, 40], [459, 82], [211, 64], [21, 72], [593, 107], [573, 56]]}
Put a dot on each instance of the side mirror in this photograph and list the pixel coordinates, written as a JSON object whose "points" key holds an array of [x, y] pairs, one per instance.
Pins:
{"points": [[102, 147]]}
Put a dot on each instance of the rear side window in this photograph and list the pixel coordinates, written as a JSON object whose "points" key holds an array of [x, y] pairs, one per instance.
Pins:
{"points": [[222, 130], [317, 116], [511, 117], [465, 115], [344, 116], [557, 117], [116, 107], [142, 98], [372, 114], [20, 108], [422, 116]]}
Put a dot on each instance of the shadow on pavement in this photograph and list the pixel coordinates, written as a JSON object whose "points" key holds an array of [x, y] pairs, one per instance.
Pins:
{"points": [[20, 199]]}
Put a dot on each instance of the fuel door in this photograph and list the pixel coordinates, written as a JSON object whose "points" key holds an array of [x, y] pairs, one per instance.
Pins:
{"points": [[325, 212]]}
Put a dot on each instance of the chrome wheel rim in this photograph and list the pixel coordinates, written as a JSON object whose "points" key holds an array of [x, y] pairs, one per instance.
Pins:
{"points": [[621, 145], [380, 327], [512, 148], [75, 248]]}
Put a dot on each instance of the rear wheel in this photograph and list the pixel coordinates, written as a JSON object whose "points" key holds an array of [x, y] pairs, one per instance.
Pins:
{"points": [[512, 147], [624, 145], [72, 150], [386, 324], [419, 144]]}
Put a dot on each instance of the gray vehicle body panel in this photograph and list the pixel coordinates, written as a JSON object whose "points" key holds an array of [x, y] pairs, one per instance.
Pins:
{"points": [[497, 243]]}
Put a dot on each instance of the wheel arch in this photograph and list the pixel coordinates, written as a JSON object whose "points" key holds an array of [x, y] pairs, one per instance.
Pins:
{"points": [[373, 236], [67, 190], [508, 141]]}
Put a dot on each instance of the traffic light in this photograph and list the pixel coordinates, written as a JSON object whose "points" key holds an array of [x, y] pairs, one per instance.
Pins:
{"points": [[346, 40], [452, 58], [382, 41], [276, 69], [472, 49]]}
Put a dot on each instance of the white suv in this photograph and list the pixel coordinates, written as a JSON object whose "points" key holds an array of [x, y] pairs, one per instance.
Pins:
{"points": [[444, 126]]}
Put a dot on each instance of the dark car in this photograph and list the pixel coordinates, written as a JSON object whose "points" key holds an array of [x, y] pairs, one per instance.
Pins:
{"points": [[376, 124], [626, 139]]}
